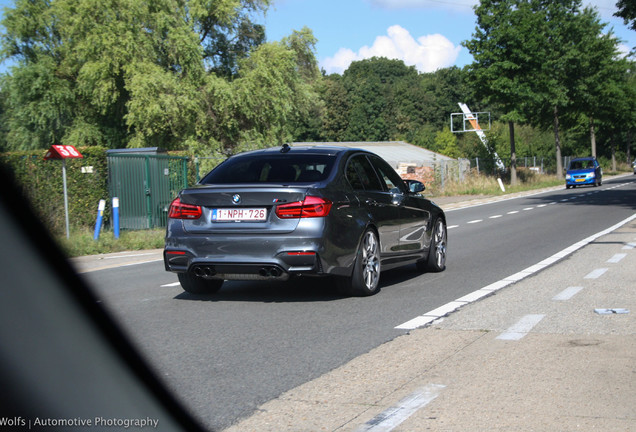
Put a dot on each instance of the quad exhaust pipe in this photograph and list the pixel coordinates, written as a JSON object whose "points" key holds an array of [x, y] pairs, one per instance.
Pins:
{"points": [[263, 273]]}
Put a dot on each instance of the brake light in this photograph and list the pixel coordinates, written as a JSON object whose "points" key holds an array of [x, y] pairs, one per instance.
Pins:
{"points": [[311, 207], [179, 210]]}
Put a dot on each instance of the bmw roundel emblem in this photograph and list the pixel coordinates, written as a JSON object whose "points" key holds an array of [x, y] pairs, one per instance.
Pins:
{"points": [[236, 199]]}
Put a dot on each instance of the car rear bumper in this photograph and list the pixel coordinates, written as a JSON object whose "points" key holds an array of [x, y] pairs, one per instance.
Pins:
{"points": [[279, 265]]}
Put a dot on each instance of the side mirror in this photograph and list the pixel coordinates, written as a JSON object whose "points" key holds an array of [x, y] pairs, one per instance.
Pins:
{"points": [[415, 186]]}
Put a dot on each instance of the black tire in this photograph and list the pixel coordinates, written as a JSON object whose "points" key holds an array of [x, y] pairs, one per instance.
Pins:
{"points": [[198, 285], [436, 260], [365, 278]]}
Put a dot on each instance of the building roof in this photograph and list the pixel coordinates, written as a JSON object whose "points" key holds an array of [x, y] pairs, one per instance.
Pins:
{"points": [[394, 152]]}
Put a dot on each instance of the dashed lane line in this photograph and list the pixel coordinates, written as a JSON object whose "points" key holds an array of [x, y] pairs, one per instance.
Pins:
{"points": [[567, 293], [394, 416], [431, 316], [595, 274], [521, 327]]}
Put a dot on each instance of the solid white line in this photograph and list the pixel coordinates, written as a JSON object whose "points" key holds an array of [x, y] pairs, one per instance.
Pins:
{"points": [[567, 293], [141, 262], [616, 258], [521, 328], [427, 318], [394, 416], [595, 274], [128, 256]]}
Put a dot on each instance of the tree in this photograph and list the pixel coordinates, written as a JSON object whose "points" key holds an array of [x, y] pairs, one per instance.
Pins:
{"points": [[627, 11], [540, 62], [118, 72], [335, 119], [379, 92], [508, 48], [446, 143]]}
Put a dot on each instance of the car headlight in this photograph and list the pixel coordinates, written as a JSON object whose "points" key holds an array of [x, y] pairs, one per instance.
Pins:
{"points": [[568, 176], [591, 175]]}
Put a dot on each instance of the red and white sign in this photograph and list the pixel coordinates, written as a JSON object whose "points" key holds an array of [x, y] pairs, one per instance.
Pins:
{"points": [[62, 152]]}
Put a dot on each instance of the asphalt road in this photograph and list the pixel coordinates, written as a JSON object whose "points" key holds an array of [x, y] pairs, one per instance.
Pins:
{"points": [[224, 355]]}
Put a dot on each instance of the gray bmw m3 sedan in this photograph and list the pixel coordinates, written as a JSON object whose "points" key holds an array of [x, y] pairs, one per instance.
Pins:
{"points": [[302, 211]]}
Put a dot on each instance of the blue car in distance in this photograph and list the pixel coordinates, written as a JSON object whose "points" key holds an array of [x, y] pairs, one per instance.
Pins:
{"points": [[583, 171]]}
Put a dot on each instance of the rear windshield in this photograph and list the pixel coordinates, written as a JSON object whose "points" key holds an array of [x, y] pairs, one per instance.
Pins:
{"points": [[272, 168]]}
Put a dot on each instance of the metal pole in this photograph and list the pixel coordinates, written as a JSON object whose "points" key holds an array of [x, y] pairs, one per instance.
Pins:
{"points": [[65, 197]]}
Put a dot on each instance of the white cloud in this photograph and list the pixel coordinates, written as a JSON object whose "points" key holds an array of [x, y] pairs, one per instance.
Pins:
{"points": [[427, 53]]}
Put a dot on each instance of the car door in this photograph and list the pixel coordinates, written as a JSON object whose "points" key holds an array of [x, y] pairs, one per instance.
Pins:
{"points": [[376, 201], [412, 212]]}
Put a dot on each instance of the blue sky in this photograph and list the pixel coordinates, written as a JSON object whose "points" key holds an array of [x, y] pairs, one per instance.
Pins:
{"points": [[426, 34]]}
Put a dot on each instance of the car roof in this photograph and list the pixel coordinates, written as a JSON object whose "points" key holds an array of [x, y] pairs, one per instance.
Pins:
{"points": [[584, 158], [325, 150]]}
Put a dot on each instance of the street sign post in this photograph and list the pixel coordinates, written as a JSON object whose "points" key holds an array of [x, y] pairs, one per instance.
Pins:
{"points": [[63, 152]]}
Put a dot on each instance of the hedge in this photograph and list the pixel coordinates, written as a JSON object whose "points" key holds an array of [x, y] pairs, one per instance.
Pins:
{"points": [[42, 184]]}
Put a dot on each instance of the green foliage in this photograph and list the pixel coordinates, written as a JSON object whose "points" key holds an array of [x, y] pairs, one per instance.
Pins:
{"points": [[197, 75], [446, 142], [42, 185], [118, 73], [627, 11], [546, 63]]}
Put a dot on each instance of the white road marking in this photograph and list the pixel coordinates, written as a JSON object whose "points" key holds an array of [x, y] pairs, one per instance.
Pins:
{"points": [[496, 216], [513, 212], [394, 416], [567, 293], [127, 255], [528, 208], [171, 284], [521, 328], [595, 274], [629, 246], [452, 226], [475, 221], [429, 317], [141, 262], [616, 258]]}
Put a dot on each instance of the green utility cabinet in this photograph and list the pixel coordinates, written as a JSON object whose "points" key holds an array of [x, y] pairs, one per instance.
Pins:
{"points": [[146, 181]]}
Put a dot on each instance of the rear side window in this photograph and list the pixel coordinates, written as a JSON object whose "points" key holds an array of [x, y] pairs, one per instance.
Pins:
{"points": [[272, 168], [361, 174], [389, 177]]}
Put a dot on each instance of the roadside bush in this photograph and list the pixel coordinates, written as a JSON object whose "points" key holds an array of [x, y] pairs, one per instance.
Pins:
{"points": [[42, 184]]}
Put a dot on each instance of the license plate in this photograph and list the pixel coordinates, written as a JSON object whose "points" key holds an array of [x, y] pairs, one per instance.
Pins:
{"points": [[239, 215], [580, 180]]}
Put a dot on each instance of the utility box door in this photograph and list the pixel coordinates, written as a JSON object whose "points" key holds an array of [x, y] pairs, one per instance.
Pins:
{"points": [[145, 184]]}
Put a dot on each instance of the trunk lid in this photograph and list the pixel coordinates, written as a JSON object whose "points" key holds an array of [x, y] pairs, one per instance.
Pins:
{"points": [[241, 208]]}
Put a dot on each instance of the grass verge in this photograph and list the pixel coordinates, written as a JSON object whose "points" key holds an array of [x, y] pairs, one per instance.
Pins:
{"points": [[80, 242]]}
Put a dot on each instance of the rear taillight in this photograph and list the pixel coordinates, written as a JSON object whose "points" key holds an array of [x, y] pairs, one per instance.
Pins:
{"points": [[179, 210], [311, 207]]}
